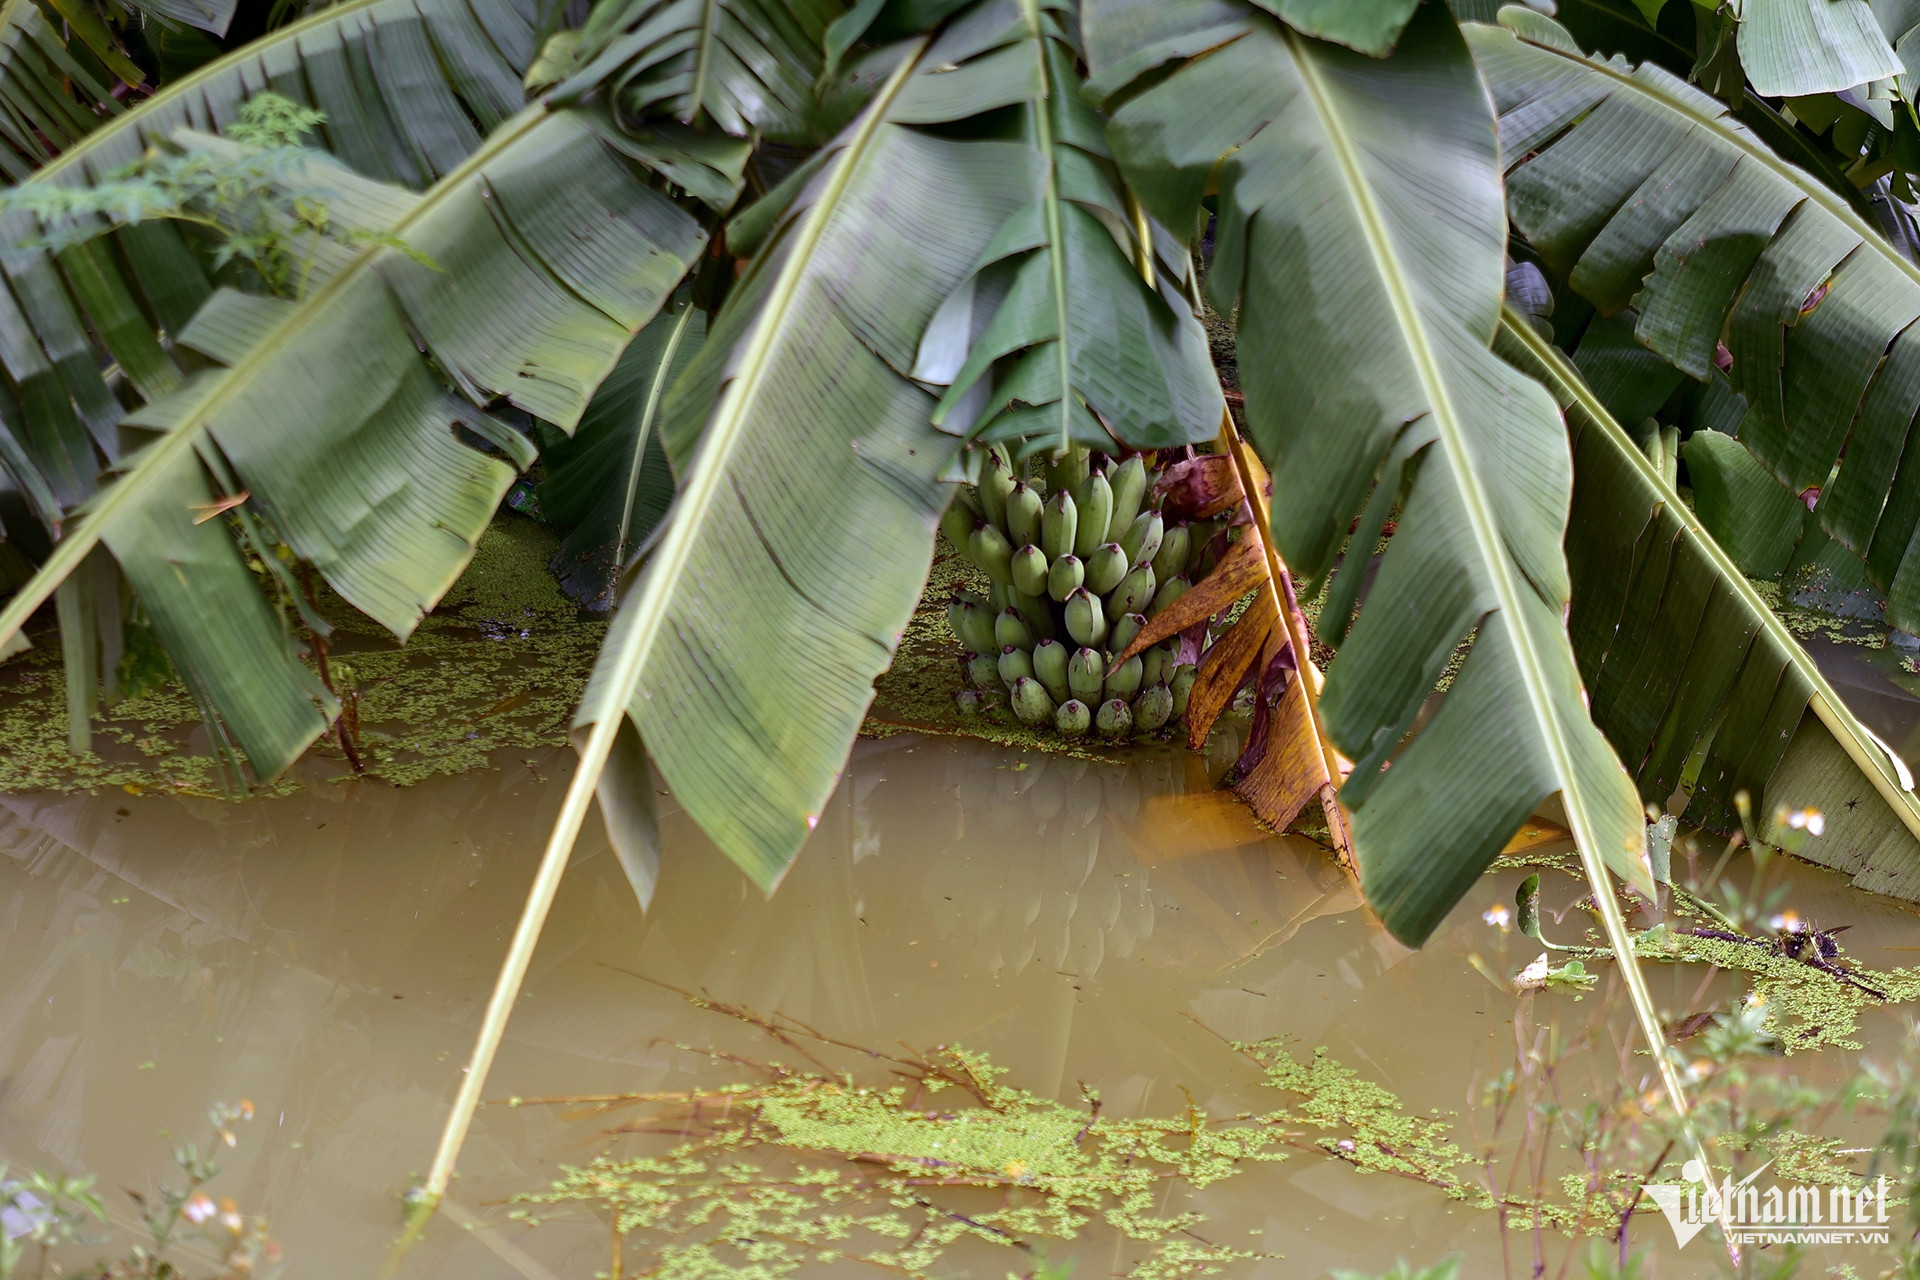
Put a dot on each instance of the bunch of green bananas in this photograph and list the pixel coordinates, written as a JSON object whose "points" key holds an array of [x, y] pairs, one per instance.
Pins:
{"points": [[1079, 560]]}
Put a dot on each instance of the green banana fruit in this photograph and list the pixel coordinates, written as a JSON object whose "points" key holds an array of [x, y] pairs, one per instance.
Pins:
{"points": [[1105, 567], [957, 523], [1030, 701], [1171, 559], [1141, 541], [1115, 719], [1058, 526], [1152, 708], [992, 552], [1072, 719], [1134, 593], [1028, 569], [1050, 668], [1123, 681], [1086, 620], [975, 626], [1065, 577], [1068, 470], [1125, 628], [1157, 663], [1129, 482], [1094, 499], [1087, 675], [984, 669], [1023, 514], [1015, 665], [1169, 591], [1199, 539], [1038, 616], [1182, 687], [1010, 630], [996, 482], [969, 702]]}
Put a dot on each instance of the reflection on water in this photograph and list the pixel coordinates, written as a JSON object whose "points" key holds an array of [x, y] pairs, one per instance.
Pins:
{"points": [[327, 955]]}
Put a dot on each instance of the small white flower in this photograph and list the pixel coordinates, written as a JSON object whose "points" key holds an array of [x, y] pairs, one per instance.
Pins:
{"points": [[1498, 916], [198, 1209]]}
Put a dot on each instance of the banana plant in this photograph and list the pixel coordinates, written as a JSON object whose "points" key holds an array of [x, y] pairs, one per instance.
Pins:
{"points": [[1726, 255], [48, 99], [1693, 679]]}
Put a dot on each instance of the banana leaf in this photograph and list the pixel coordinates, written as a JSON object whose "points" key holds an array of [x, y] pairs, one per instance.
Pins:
{"points": [[1792, 48], [611, 483], [811, 479], [748, 65], [1639, 188], [1072, 328], [1361, 229], [1693, 679], [524, 274], [48, 101]]}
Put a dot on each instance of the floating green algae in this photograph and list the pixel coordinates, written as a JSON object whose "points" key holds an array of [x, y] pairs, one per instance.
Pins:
{"points": [[497, 667], [1807, 1008], [762, 1178]]}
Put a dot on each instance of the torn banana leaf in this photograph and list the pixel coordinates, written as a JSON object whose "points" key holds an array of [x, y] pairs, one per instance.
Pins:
{"points": [[323, 413], [48, 101], [1362, 236], [1640, 189], [1072, 327], [748, 66], [811, 480], [1693, 679]]}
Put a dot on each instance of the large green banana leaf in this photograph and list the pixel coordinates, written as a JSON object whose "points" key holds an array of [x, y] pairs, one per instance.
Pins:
{"points": [[748, 65], [48, 101], [1692, 678], [1058, 335], [524, 274], [810, 475], [1642, 190], [1362, 235]]}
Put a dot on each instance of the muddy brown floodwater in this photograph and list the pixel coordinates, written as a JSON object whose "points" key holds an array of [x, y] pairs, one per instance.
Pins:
{"points": [[326, 955]]}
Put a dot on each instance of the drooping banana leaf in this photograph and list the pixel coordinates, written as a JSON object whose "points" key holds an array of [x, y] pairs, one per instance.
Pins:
{"points": [[1057, 336], [810, 475], [406, 88], [749, 65], [1639, 188], [611, 483], [1792, 48], [48, 101], [523, 273], [1692, 677], [1361, 233]]}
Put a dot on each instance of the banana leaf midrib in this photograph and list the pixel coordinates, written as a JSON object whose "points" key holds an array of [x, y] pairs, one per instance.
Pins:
{"points": [[703, 57], [707, 475], [1491, 547], [1750, 148], [1056, 239], [54, 169], [1877, 769], [97, 513]]}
